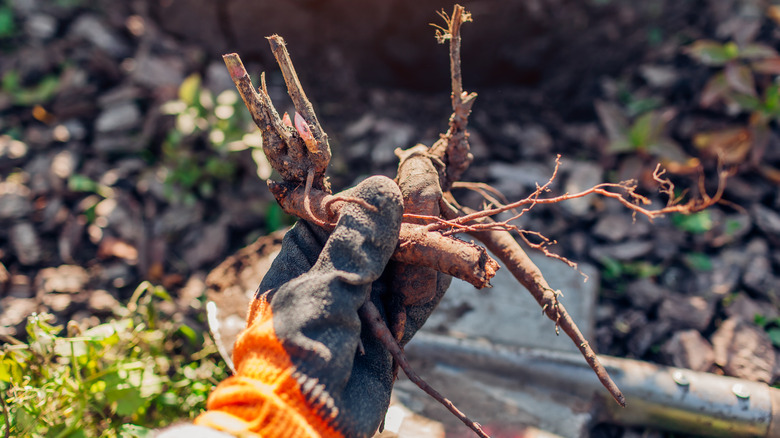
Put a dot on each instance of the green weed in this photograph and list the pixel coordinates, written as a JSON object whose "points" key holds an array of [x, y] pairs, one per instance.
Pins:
{"points": [[771, 326], [694, 223], [614, 270], [41, 92], [734, 85], [639, 126], [201, 150], [7, 21], [122, 378], [698, 261]]}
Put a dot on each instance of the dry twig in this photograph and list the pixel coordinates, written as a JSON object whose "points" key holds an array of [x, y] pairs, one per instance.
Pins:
{"points": [[369, 313]]}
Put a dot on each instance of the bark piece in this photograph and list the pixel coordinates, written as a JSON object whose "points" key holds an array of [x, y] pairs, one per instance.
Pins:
{"points": [[15, 313], [767, 221], [747, 308], [626, 251], [687, 312], [119, 116], [102, 302], [62, 279], [97, 32], [14, 206], [646, 336], [584, 176], [26, 243], [689, 349], [208, 244], [645, 293], [613, 227], [743, 350], [758, 277]]}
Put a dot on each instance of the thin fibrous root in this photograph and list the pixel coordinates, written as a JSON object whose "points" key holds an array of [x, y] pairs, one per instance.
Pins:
{"points": [[371, 316], [624, 192]]}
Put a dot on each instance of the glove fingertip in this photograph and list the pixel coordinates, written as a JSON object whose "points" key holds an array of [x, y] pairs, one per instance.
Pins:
{"points": [[383, 193], [384, 223], [364, 239]]}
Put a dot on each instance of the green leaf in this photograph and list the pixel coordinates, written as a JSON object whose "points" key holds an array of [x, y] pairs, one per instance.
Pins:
{"points": [[5, 371], [620, 146], [125, 367], [698, 261], [646, 130], [655, 36], [612, 269], [732, 226], [127, 398], [732, 49], [70, 348], [695, 223], [77, 434], [206, 189], [772, 99], [17, 368], [10, 81], [643, 269], [219, 168], [69, 4], [24, 419], [105, 333], [135, 431], [169, 399], [715, 90], [641, 106], [769, 66], [81, 183], [757, 51], [740, 79], [57, 430], [7, 26], [42, 92], [774, 335], [710, 52], [189, 89], [273, 217], [191, 335], [669, 152], [747, 102], [161, 292]]}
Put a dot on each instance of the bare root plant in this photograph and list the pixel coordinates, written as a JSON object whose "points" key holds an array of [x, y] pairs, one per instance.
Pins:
{"points": [[298, 150]]}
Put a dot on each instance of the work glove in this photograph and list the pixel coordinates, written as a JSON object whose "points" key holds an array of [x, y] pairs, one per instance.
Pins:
{"points": [[305, 365]]}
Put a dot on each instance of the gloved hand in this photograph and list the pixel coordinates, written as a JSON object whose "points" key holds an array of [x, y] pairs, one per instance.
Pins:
{"points": [[299, 371]]}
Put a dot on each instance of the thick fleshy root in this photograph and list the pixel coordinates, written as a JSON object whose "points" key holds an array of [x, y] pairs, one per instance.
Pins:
{"points": [[416, 245]]}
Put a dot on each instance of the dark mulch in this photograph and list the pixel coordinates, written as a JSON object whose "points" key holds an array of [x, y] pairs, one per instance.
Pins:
{"points": [[93, 200]]}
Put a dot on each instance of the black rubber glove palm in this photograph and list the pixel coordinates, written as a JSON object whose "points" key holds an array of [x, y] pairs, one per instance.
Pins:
{"points": [[306, 311]]}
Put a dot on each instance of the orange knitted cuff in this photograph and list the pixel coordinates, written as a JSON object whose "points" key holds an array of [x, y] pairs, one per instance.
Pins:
{"points": [[264, 398]]}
